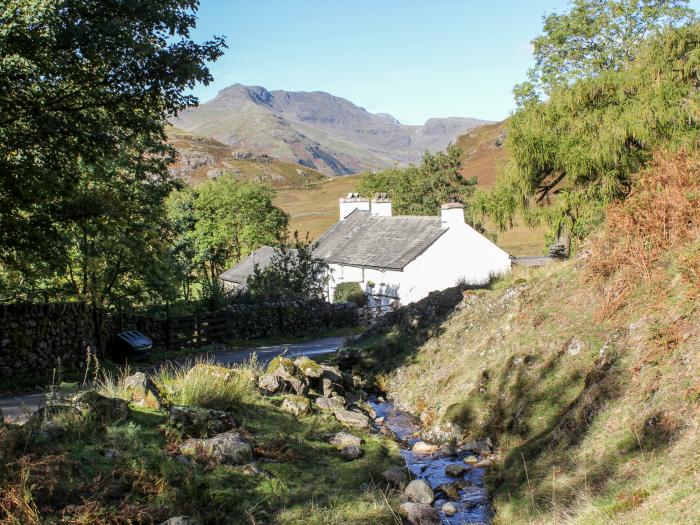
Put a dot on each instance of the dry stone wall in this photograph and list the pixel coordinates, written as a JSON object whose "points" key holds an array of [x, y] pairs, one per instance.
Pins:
{"points": [[35, 337]]}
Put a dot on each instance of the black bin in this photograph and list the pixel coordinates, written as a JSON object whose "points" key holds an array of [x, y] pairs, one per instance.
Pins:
{"points": [[131, 345]]}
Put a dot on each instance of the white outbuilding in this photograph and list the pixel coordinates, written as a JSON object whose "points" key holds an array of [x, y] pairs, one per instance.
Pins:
{"points": [[401, 259]]}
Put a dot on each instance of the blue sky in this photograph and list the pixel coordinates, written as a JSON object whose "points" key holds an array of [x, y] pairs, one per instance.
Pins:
{"points": [[414, 59]]}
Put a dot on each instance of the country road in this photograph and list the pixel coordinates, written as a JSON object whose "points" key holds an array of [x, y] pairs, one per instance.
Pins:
{"points": [[19, 406]]}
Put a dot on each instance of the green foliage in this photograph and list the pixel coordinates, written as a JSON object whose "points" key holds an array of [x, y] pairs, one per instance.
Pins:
{"points": [[349, 292], [596, 36], [578, 150], [293, 272], [218, 223], [422, 189], [85, 90]]}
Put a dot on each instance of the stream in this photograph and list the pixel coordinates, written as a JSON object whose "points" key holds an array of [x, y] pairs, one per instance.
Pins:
{"points": [[473, 506]]}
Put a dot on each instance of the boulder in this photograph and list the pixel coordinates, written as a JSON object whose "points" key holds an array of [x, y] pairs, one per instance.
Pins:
{"points": [[142, 391], [451, 490], [310, 368], [229, 447], [484, 463], [421, 447], [449, 509], [292, 382], [103, 409], [418, 491], [181, 520], [419, 514], [351, 452], [345, 439], [330, 403], [332, 373], [284, 362], [201, 422], [456, 470], [471, 460], [270, 384], [397, 476], [351, 418], [297, 405]]}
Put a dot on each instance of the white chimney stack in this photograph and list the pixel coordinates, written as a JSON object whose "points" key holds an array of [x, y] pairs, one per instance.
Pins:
{"points": [[452, 214], [351, 203], [381, 205]]}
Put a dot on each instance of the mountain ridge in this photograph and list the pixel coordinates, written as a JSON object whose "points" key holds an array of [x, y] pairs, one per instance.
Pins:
{"points": [[317, 129]]}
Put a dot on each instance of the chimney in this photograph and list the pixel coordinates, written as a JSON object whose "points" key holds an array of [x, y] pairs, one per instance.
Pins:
{"points": [[351, 203], [452, 214], [381, 205]]}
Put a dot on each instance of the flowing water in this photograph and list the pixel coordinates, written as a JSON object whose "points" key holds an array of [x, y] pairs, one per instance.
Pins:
{"points": [[473, 505]]}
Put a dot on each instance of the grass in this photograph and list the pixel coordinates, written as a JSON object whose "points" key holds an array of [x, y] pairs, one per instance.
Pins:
{"points": [[595, 416], [128, 471]]}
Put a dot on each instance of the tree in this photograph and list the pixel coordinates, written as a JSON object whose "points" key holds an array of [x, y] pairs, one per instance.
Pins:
{"points": [[422, 189], [293, 272], [578, 151], [219, 222], [595, 36], [86, 87]]}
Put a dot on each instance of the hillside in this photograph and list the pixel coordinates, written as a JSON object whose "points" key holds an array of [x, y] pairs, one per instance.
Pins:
{"points": [[483, 150], [316, 129], [200, 159], [594, 405]]}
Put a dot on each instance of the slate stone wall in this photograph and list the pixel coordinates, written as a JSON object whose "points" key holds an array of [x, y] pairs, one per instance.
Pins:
{"points": [[34, 337]]}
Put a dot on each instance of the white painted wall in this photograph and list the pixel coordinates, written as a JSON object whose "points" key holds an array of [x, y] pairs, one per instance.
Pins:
{"points": [[461, 253]]}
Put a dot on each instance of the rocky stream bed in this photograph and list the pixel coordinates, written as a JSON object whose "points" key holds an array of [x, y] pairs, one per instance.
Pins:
{"points": [[454, 473]]}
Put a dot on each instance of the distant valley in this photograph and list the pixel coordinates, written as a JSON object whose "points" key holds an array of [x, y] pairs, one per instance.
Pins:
{"points": [[316, 130]]}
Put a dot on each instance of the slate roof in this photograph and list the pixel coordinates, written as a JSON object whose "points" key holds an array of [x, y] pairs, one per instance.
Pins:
{"points": [[240, 272], [378, 242]]}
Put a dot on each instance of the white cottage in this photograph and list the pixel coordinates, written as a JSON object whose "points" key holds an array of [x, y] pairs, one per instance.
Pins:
{"points": [[401, 259]]}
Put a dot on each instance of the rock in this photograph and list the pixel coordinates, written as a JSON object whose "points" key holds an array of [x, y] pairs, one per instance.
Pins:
{"points": [[297, 405], [270, 384], [142, 391], [310, 368], [229, 447], [351, 452], [484, 463], [455, 470], [366, 408], [104, 409], [351, 418], [332, 373], [397, 476], [201, 422], [327, 387], [330, 403], [419, 491], [181, 520], [421, 447], [419, 514], [471, 460], [447, 450], [449, 509], [293, 382], [451, 490], [345, 439], [469, 446]]}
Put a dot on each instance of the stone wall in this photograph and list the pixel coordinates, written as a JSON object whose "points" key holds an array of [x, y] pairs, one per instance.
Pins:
{"points": [[34, 337]]}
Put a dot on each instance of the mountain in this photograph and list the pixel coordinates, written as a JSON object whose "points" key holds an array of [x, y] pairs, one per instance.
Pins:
{"points": [[200, 158], [316, 129]]}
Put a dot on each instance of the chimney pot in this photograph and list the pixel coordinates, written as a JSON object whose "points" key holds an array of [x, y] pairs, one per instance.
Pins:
{"points": [[381, 205]]}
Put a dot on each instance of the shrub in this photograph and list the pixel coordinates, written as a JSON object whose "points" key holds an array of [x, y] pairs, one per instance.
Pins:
{"points": [[350, 293], [660, 214]]}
